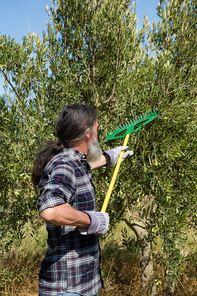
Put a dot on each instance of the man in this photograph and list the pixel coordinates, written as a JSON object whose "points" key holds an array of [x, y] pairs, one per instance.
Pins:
{"points": [[67, 203]]}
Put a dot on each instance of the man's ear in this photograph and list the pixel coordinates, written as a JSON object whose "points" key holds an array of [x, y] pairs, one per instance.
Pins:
{"points": [[87, 133], [88, 136]]}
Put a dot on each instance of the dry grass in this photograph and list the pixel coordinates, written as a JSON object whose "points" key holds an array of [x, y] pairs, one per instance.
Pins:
{"points": [[121, 271], [19, 269], [122, 276], [22, 275]]}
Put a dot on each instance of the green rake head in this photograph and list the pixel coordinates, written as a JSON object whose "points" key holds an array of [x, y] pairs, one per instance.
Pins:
{"points": [[131, 126]]}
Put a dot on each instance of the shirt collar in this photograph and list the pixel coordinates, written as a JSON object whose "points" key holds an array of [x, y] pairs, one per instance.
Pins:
{"points": [[76, 154]]}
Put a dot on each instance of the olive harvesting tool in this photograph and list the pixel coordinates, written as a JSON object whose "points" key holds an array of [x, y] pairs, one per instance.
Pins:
{"points": [[124, 131]]}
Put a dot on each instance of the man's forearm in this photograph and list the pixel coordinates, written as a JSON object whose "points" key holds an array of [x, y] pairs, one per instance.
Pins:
{"points": [[64, 215], [103, 161]]}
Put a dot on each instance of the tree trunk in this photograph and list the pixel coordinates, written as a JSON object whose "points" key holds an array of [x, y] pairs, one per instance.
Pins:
{"points": [[145, 247], [146, 264]]}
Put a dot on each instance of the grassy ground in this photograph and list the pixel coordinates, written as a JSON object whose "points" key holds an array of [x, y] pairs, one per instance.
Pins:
{"points": [[121, 271]]}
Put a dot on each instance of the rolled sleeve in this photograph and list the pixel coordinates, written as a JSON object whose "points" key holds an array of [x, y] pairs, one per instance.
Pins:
{"points": [[60, 188]]}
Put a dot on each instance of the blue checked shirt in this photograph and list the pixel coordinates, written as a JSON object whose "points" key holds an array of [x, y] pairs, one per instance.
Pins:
{"points": [[72, 261]]}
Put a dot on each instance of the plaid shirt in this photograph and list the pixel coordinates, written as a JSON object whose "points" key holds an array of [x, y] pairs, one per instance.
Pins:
{"points": [[72, 261]]}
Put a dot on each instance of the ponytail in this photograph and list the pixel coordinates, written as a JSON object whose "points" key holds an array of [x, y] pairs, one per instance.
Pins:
{"points": [[46, 153]]}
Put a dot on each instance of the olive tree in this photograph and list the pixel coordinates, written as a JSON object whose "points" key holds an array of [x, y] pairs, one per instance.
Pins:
{"points": [[163, 169], [23, 127]]}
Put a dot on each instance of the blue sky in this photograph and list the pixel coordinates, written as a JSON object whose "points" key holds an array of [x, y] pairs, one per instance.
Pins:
{"points": [[19, 17]]}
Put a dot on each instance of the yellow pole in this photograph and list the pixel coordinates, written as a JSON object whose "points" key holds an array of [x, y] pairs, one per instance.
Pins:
{"points": [[107, 197]]}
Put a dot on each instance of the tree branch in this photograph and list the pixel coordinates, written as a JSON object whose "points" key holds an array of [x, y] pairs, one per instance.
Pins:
{"points": [[13, 88], [117, 67]]}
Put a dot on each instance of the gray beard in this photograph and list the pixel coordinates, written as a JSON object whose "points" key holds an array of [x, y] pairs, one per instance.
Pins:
{"points": [[94, 151]]}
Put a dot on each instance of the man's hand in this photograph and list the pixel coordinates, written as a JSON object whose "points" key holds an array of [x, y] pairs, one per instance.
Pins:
{"points": [[99, 223], [110, 158], [115, 153]]}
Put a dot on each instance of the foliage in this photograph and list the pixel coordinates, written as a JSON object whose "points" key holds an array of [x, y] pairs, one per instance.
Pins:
{"points": [[23, 126], [18, 203], [164, 165]]}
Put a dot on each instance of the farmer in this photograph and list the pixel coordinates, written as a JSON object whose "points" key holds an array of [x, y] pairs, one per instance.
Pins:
{"points": [[67, 203]]}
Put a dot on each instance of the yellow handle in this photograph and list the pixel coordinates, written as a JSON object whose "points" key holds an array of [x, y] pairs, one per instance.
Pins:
{"points": [[107, 197]]}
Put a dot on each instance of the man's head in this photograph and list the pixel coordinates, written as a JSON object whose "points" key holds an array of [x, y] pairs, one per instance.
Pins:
{"points": [[76, 124]]}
